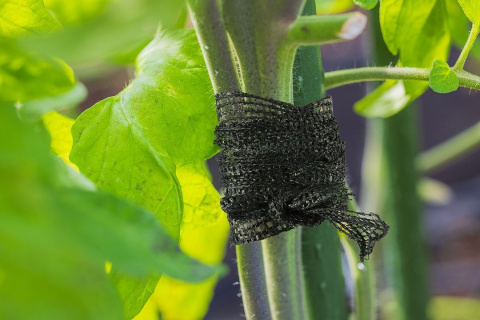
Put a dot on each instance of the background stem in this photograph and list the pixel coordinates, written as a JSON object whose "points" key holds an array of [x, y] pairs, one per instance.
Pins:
{"points": [[397, 198], [405, 252], [449, 151], [324, 283]]}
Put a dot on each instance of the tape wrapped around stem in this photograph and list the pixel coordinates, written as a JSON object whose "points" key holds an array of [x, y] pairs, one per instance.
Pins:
{"points": [[283, 166]]}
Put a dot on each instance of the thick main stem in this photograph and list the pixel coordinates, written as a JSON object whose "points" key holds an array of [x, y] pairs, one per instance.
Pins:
{"points": [[324, 284], [257, 32], [213, 40]]}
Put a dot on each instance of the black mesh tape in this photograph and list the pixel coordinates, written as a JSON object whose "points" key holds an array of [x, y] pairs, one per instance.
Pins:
{"points": [[283, 166]]}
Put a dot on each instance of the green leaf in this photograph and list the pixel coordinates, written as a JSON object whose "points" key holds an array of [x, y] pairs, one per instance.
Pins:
{"points": [[414, 27], [53, 247], [28, 76], [366, 4], [25, 75], [389, 22], [332, 6], [74, 12], [418, 32], [442, 79], [134, 292], [59, 127], [34, 109], [130, 144], [133, 144], [20, 17], [113, 151], [460, 27], [124, 26], [203, 236], [471, 9], [383, 102]]}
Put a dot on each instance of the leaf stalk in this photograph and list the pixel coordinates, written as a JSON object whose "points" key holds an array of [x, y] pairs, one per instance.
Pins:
{"points": [[462, 58], [339, 78], [314, 30]]}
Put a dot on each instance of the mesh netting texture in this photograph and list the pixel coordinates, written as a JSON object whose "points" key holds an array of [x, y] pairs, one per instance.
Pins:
{"points": [[283, 166]]}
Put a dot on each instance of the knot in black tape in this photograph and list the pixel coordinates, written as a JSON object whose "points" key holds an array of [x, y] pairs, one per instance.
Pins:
{"points": [[283, 166]]}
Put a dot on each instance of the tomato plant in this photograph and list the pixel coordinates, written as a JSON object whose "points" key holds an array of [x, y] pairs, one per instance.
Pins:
{"points": [[111, 213]]}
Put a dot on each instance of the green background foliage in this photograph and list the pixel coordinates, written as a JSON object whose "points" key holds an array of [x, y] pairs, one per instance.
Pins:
{"points": [[57, 232]]}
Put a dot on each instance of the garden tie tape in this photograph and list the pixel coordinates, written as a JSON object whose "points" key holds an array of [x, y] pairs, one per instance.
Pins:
{"points": [[283, 166]]}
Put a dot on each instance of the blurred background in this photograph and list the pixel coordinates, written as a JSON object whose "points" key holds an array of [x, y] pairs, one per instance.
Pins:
{"points": [[452, 229]]}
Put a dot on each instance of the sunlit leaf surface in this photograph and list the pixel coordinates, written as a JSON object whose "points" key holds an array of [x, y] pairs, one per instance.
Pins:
{"points": [[148, 144]]}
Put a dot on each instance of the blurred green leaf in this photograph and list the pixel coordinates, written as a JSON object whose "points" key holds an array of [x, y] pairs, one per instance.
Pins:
{"points": [[133, 143], [74, 12], [454, 308], [386, 100], [460, 28], [418, 32], [471, 9], [56, 236], [333, 6], [442, 79], [20, 17], [366, 4], [33, 110], [123, 26], [28, 76]]}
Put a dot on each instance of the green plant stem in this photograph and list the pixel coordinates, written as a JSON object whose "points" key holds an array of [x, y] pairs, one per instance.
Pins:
{"points": [[338, 78], [314, 30], [324, 284], [450, 150], [214, 44], [257, 32], [462, 58], [405, 246], [212, 35], [253, 286]]}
